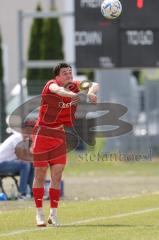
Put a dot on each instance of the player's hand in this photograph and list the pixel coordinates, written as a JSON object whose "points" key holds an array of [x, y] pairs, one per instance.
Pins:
{"points": [[92, 97]]}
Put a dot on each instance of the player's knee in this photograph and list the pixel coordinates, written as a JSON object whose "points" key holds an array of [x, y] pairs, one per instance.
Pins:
{"points": [[57, 178], [39, 181]]}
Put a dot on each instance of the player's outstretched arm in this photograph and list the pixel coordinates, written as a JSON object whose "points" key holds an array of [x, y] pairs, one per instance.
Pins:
{"points": [[54, 88]]}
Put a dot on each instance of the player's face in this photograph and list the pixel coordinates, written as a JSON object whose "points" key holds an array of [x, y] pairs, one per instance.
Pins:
{"points": [[65, 75]]}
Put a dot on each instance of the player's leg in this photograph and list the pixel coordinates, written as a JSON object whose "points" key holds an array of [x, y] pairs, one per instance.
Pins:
{"points": [[38, 193], [54, 192], [39, 148]]}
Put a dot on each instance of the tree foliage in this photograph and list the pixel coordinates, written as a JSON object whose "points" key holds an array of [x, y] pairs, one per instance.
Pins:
{"points": [[1, 62], [46, 43], [51, 44], [34, 52], [3, 124]]}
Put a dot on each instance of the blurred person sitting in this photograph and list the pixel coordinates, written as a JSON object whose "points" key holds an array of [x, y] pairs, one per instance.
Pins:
{"points": [[16, 158]]}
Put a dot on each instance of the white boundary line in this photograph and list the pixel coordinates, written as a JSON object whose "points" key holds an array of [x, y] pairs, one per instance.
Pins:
{"points": [[147, 210], [115, 216]]}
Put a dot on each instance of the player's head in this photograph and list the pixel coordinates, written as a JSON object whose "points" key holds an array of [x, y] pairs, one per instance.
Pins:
{"points": [[63, 72]]}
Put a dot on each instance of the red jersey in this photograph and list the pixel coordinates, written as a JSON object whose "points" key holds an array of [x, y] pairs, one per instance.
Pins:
{"points": [[56, 110]]}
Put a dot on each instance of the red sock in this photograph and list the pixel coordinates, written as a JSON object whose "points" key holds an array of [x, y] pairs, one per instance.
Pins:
{"points": [[38, 194], [54, 197]]}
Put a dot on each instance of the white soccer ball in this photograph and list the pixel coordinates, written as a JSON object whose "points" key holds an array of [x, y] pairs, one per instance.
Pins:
{"points": [[111, 9]]}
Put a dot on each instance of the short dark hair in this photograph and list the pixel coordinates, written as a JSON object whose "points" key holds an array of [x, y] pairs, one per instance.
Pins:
{"points": [[58, 67]]}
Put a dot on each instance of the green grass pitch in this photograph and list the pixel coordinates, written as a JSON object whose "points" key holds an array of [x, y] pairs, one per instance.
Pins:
{"points": [[121, 218], [129, 218]]}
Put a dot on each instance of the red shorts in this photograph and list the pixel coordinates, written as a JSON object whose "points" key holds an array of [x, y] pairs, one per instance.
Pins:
{"points": [[49, 146]]}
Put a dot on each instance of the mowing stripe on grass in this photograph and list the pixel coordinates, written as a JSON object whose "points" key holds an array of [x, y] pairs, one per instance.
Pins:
{"points": [[82, 221]]}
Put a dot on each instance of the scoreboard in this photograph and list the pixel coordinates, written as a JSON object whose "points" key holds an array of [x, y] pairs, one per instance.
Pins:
{"points": [[140, 14], [132, 40]]}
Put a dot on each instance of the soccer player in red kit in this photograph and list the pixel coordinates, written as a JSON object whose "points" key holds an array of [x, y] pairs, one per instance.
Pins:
{"points": [[59, 100]]}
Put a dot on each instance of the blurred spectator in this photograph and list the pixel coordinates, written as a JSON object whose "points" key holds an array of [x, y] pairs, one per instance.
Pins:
{"points": [[15, 157]]}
